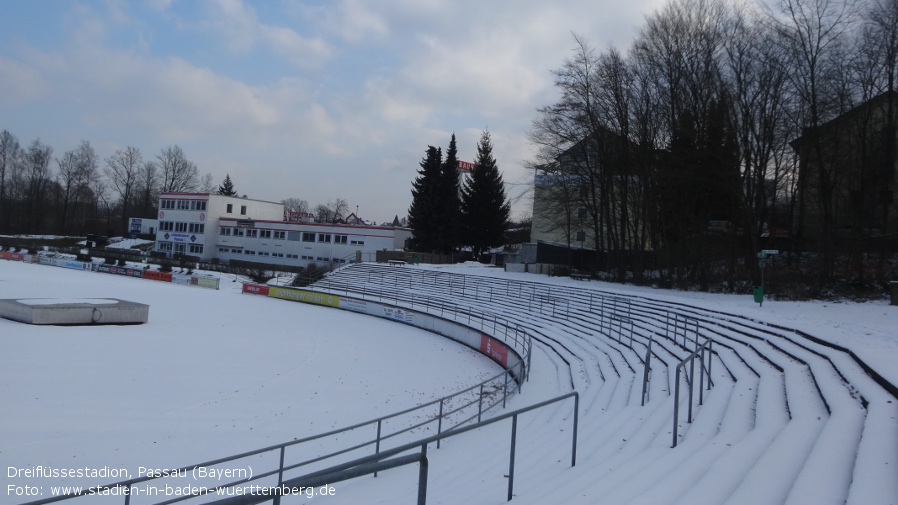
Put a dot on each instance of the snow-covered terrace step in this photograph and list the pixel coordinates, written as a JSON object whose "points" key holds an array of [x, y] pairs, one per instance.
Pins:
{"points": [[773, 378]]}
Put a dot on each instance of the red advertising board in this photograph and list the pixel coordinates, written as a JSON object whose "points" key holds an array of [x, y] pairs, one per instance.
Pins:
{"points": [[255, 289], [157, 276], [494, 349], [12, 256]]}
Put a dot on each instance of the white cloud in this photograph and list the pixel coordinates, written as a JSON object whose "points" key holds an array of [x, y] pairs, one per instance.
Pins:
{"points": [[243, 32], [341, 126], [357, 22]]}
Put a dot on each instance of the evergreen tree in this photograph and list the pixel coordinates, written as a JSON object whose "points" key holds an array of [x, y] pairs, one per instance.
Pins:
{"points": [[484, 209], [424, 213], [227, 187], [450, 203]]}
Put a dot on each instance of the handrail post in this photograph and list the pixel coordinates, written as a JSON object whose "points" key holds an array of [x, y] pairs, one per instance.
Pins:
{"points": [[676, 405], [576, 424], [440, 423], [377, 443], [277, 498], [480, 403], [505, 390], [645, 373], [710, 356], [691, 384], [514, 434], [422, 476], [701, 381]]}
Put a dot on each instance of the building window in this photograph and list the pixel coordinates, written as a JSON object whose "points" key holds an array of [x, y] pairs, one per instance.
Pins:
{"points": [[165, 246], [167, 204], [581, 236], [197, 228], [181, 227], [581, 213], [196, 205], [224, 231], [252, 233], [238, 232], [264, 233], [230, 208], [166, 226], [183, 204], [357, 241], [324, 237], [196, 248], [280, 235], [308, 237], [340, 239], [243, 210]]}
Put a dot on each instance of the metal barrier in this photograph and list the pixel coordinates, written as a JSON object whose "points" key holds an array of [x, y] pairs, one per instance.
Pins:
{"points": [[378, 462], [690, 379]]}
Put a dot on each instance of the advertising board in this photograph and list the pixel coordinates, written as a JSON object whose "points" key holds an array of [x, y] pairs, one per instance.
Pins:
{"points": [[255, 289], [112, 269], [11, 256], [157, 276], [204, 282], [494, 349], [298, 295]]}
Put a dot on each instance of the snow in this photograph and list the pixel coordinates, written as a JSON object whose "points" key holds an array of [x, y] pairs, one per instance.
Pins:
{"points": [[214, 373]]}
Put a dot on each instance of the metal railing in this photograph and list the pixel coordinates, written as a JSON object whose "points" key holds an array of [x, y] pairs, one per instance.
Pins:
{"points": [[690, 379], [378, 462]]}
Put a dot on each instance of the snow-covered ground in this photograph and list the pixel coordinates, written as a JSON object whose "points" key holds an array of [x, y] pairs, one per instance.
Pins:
{"points": [[215, 373]]}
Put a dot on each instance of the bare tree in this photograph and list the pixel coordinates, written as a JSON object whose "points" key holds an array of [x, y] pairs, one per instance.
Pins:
{"points": [[332, 211], [296, 205], [123, 170], [813, 35], [207, 185], [76, 168], [177, 172], [10, 153], [148, 187], [37, 176]]}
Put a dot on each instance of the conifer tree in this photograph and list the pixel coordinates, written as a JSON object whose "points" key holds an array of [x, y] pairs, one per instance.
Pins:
{"points": [[484, 209], [227, 187], [450, 203], [424, 213]]}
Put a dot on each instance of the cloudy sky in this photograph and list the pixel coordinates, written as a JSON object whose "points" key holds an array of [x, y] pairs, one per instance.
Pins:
{"points": [[313, 99]]}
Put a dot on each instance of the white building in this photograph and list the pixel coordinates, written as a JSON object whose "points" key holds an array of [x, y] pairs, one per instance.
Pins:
{"points": [[142, 226], [230, 228]]}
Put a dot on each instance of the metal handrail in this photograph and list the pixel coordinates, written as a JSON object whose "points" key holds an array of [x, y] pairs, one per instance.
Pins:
{"points": [[699, 352], [368, 464]]}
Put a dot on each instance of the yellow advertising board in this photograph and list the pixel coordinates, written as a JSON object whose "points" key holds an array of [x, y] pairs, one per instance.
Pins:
{"points": [[298, 295]]}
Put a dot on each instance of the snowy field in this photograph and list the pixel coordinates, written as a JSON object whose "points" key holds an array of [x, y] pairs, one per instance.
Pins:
{"points": [[212, 374], [217, 372]]}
